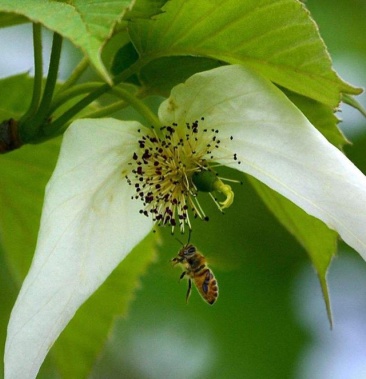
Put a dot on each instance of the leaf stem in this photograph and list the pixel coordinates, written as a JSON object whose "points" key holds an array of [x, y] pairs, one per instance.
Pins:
{"points": [[139, 105], [69, 94], [107, 110], [38, 73], [33, 125], [60, 124], [75, 75]]}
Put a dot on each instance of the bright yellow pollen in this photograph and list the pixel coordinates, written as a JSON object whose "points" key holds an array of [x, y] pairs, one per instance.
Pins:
{"points": [[226, 190]]}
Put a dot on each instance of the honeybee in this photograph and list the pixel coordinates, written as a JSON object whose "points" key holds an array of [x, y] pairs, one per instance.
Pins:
{"points": [[196, 269]]}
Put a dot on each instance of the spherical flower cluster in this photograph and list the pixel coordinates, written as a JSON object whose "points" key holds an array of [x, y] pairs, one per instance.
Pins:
{"points": [[171, 166]]}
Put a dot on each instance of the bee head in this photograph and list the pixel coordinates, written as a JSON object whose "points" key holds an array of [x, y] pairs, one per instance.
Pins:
{"points": [[187, 251]]}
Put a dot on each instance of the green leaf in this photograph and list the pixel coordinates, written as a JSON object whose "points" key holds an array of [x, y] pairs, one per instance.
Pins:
{"points": [[23, 177], [145, 9], [161, 75], [321, 116], [18, 90], [24, 174], [88, 24], [82, 340], [318, 240], [8, 19], [276, 38], [352, 102], [17, 93], [125, 57]]}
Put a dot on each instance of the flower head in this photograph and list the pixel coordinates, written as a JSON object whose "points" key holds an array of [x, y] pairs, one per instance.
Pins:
{"points": [[170, 168], [90, 223]]}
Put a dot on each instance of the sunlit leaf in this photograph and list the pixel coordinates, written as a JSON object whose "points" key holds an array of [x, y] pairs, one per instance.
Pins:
{"points": [[276, 38]]}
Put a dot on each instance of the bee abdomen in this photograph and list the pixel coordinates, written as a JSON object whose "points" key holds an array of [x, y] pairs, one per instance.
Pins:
{"points": [[209, 287]]}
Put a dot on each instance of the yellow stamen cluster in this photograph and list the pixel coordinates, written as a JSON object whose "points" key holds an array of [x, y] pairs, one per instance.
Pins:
{"points": [[163, 168]]}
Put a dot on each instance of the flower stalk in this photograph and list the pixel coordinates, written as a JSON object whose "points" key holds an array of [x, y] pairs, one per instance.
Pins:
{"points": [[38, 73]]}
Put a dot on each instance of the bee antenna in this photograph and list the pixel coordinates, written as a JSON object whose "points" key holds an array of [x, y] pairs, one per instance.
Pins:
{"points": [[189, 238], [179, 241]]}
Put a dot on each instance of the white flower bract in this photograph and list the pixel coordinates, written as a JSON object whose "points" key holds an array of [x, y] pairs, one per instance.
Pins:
{"points": [[88, 226]]}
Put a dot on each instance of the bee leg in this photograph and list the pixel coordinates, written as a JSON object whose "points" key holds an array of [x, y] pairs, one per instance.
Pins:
{"points": [[182, 275], [174, 261], [189, 290]]}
